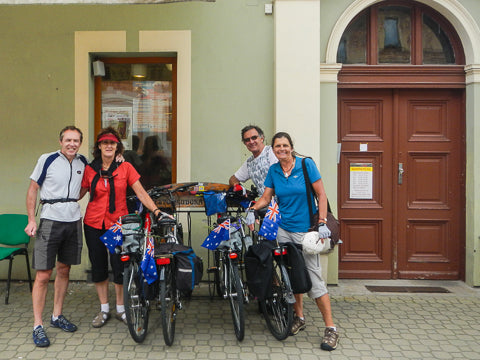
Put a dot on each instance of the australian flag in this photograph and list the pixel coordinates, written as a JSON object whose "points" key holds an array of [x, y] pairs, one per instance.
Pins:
{"points": [[113, 237], [219, 234], [148, 265], [269, 228]]}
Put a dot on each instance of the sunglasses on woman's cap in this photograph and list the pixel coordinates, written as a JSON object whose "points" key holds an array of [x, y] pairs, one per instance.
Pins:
{"points": [[253, 138]]}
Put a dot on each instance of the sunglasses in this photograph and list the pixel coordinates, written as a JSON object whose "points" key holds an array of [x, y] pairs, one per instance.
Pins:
{"points": [[253, 138]]}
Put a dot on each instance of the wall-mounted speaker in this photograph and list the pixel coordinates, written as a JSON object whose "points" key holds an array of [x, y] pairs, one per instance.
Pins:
{"points": [[98, 68]]}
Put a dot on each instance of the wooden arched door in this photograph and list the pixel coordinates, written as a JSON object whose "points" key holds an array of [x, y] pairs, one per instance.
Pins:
{"points": [[402, 132]]}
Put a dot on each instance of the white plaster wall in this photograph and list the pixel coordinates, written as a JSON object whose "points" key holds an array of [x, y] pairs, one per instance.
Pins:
{"points": [[297, 73]]}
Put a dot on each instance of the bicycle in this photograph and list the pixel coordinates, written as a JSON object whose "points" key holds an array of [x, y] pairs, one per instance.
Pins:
{"points": [[227, 269], [137, 292], [274, 291], [278, 307], [137, 305], [169, 296]]}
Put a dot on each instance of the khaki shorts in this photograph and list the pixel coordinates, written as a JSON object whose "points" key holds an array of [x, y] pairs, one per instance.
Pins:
{"points": [[312, 262], [57, 240]]}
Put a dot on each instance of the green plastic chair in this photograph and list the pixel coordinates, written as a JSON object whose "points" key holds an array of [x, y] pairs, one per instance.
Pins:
{"points": [[12, 234]]}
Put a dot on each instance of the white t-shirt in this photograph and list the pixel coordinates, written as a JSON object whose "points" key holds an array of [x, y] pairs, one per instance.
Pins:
{"points": [[59, 179], [256, 168]]}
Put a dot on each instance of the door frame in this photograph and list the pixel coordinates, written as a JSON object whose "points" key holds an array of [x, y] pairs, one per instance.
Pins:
{"points": [[450, 80]]}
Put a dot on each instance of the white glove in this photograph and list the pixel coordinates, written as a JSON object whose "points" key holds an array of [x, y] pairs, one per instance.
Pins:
{"points": [[323, 231], [250, 218]]}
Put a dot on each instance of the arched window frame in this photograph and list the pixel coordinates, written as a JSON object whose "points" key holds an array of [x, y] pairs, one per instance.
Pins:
{"points": [[417, 10]]}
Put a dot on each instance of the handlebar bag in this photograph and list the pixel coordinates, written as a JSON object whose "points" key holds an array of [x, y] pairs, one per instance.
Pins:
{"points": [[132, 232], [215, 202]]}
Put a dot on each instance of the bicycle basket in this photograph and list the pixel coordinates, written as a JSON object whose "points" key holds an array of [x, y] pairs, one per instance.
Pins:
{"points": [[132, 232]]}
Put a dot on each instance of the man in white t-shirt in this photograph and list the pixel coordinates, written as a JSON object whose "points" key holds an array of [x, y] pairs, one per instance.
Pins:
{"points": [[59, 238], [256, 166]]}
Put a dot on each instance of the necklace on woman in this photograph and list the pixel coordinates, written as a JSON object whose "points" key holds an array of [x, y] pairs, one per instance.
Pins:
{"points": [[287, 172]]}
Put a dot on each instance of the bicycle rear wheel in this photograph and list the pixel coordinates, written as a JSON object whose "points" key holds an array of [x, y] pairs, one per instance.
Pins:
{"points": [[277, 309], [167, 302], [136, 305], [236, 299]]}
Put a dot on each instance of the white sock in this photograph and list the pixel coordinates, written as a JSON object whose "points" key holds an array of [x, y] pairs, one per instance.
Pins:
{"points": [[332, 327], [54, 318], [105, 308], [120, 308], [38, 326]]}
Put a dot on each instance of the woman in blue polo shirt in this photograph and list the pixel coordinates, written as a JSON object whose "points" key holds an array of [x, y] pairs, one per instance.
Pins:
{"points": [[285, 180]]}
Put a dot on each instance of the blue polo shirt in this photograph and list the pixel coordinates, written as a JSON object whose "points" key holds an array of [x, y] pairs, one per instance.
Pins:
{"points": [[291, 194]]}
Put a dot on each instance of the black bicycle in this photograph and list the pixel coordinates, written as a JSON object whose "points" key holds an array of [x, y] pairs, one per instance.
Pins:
{"points": [[227, 277], [269, 282], [166, 233], [135, 286], [228, 264], [277, 307], [167, 237]]}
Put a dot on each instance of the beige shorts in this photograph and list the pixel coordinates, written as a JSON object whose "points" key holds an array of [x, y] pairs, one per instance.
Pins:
{"points": [[312, 263]]}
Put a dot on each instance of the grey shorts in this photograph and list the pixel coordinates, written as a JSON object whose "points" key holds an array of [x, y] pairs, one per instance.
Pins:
{"points": [[57, 240], [312, 262]]}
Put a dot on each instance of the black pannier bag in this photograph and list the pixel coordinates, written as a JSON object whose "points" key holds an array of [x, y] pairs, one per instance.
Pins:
{"points": [[297, 270], [189, 266], [259, 268]]}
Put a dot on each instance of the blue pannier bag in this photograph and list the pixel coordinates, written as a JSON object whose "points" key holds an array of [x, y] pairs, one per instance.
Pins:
{"points": [[189, 270]]}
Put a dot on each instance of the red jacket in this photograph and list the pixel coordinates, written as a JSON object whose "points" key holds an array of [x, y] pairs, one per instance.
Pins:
{"points": [[97, 210]]}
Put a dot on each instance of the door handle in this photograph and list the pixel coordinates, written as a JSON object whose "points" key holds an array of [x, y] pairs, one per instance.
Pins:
{"points": [[400, 173]]}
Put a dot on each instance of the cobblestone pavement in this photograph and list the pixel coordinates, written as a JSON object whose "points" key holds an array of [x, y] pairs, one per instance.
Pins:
{"points": [[371, 326]]}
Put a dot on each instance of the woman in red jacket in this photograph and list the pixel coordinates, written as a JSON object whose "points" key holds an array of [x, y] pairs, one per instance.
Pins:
{"points": [[107, 181]]}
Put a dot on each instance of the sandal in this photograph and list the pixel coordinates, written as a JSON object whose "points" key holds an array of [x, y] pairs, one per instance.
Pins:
{"points": [[122, 317], [100, 319]]}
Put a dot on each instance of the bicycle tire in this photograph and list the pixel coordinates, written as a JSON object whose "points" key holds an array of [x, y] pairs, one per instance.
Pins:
{"points": [[236, 299], [136, 305], [276, 309], [219, 277], [168, 303]]}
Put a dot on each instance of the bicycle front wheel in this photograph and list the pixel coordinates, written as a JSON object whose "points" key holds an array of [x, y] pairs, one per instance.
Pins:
{"points": [[167, 302], [236, 298], [136, 305], [277, 309], [219, 273]]}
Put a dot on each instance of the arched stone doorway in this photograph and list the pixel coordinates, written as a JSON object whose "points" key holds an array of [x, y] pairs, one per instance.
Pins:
{"points": [[401, 190]]}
